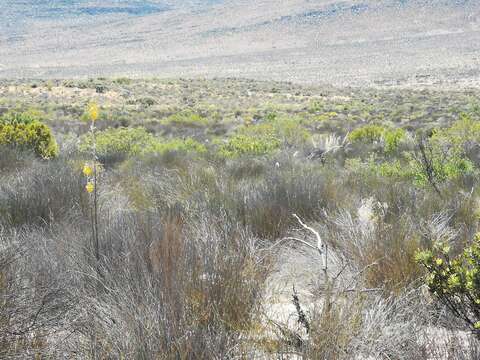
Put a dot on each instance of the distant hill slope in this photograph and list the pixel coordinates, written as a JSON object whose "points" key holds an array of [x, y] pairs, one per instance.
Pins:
{"points": [[367, 42]]}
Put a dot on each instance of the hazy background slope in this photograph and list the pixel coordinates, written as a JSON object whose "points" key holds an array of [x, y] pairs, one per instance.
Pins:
{"points": [[385, 42]]}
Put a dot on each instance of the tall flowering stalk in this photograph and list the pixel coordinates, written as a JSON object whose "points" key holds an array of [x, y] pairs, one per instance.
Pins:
{"points": [[90, 170]]}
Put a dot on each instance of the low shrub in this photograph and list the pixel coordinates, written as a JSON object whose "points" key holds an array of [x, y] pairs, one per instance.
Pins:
{"points": [[240, 145], [464, 130], [428, 166], [27, 133], [118, 142], [207, 277], [381, 248], [267, 206], [34, 303], [376, 133], [290, 131], [186, 119], [14, 159], [266, 137], [349, 325], [455, 281], [41, 194], [114, 145], [367, 133], [14, 117], [187, 145]]}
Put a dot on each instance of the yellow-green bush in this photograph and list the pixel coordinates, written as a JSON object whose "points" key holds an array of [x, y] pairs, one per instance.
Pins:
{"points": [[444, 156], [264, 138], [187, 119], [122, 142], [29, 135], [466, 129], [444, 168], [392, 139], [367, 133], [175, 145], [242, 144], [326, 116], [13, 117], [290, 131], [315, 106], [455, 281], [373, 133], [445, 151]]}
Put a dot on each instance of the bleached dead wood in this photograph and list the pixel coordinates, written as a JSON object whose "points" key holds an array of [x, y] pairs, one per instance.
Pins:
{"points": [[321, 246]]}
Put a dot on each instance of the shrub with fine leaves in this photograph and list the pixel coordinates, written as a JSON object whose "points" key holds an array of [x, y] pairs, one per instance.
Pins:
{"points": [[455, 281], [29, 134]]}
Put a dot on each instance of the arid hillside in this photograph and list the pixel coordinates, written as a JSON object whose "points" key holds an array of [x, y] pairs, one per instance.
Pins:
{"points": [[388, 42]]}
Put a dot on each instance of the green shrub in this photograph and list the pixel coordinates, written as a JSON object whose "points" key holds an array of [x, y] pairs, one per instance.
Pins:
{"points": [[175, 145], [117, 144], [290, 131], [464, 130], [455, 281], [326, 116], [444, 167], [367, 133], [411, 168], [186, 119], [442, 156], [122, 81], [265, 138], [436, 159], [392, 139], [14, 117], [28, 134], [394, 169], [242, 144], [375, 133], [315, 107]]}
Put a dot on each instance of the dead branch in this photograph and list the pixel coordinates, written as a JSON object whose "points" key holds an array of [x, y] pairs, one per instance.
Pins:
{"points": [[321, 246]]}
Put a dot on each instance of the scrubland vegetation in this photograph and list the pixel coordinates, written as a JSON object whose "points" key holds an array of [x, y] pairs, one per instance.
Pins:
{"points": [[218, 202]]}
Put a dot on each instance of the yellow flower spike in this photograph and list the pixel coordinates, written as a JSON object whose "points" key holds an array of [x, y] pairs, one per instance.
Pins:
{"points": [[446, 249], [90, 187], [469, 285], [93, 111], [439, 262], [87, 170], [453, 281]]}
